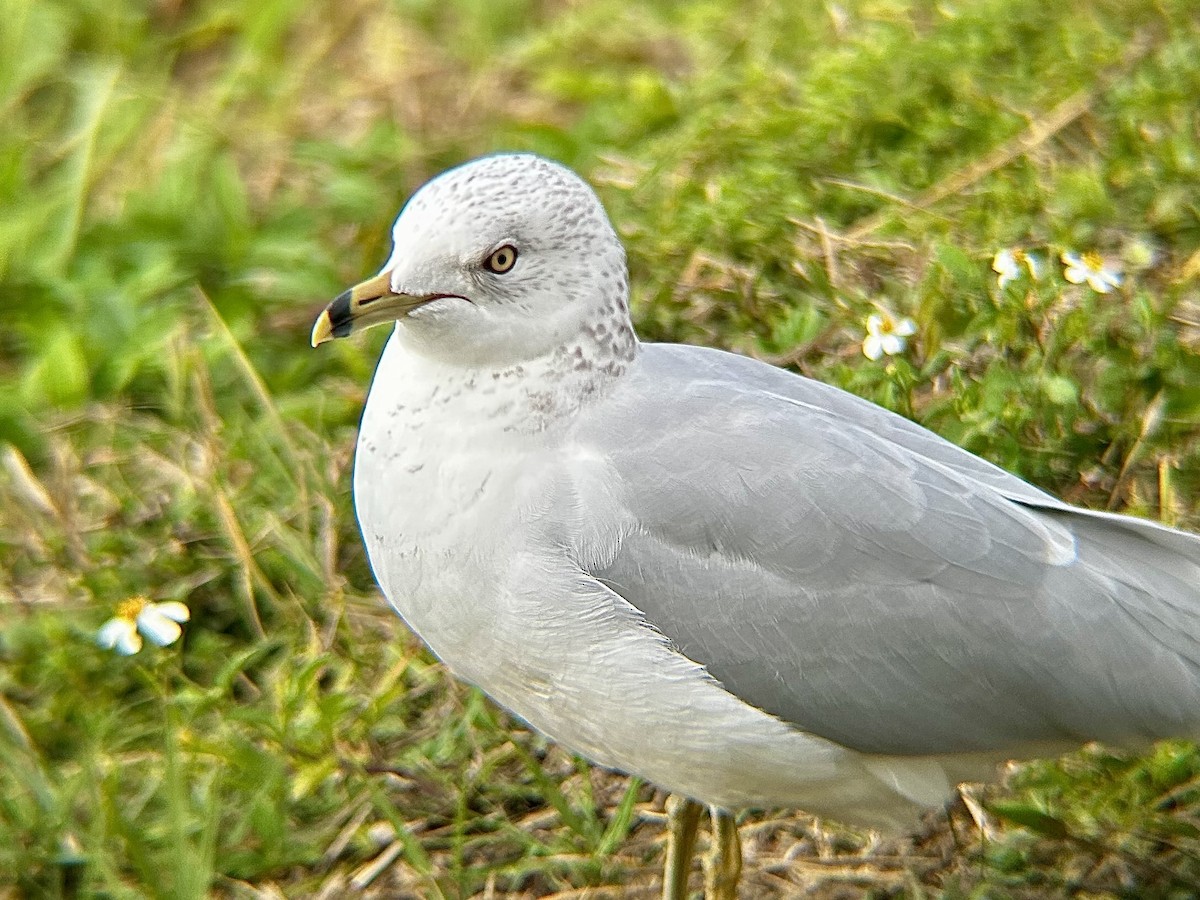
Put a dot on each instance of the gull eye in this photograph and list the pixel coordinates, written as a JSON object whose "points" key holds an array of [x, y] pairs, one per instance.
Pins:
{"points": [[501, 260]]}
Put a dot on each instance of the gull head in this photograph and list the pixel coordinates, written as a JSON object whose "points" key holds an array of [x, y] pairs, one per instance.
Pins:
{"points": [[497, 261]]}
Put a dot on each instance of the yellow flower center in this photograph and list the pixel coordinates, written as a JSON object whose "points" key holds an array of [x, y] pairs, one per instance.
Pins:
{"points": [[1093, 260], [130, 609]]}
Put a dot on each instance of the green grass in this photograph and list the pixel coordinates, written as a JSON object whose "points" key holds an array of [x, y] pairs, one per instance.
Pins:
{"points": [[182, 184]]}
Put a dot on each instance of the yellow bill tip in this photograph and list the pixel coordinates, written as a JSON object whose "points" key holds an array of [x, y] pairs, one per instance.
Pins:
{"points": [[322, 329]]}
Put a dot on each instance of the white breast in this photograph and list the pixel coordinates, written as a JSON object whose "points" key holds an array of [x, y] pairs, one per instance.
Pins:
{"points": [[478, 533]]}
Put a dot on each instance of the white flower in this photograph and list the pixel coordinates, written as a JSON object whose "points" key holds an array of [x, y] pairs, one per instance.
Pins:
{"points": [[1007, 266], [886, 334], [159, 622], [1090, 267]]}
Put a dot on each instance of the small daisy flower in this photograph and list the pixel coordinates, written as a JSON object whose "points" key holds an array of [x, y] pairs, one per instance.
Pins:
{"points": [[1090, 267], [886, 334], [159, 622], [1007, 266]]}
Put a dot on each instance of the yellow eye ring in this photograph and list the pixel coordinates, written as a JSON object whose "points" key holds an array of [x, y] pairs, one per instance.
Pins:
{"points": [[501, 260]]}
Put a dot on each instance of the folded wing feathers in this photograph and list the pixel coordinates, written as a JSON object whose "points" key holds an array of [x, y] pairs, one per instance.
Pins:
{"points": [[870, 582]]}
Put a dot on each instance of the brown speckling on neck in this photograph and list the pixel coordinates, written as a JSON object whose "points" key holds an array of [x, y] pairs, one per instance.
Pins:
{"points": [[527, 398], [578, 372]]}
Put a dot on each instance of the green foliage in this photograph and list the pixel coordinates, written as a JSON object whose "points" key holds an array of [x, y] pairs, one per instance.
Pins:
{"points": [[182, 186], [1097, 809]]}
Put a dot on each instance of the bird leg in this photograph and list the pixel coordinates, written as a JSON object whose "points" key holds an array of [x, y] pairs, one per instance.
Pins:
{"points": [[723, 864], [683, 818]]}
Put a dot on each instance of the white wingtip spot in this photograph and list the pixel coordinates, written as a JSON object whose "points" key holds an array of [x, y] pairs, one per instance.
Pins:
{"points": [[1060, 549]]}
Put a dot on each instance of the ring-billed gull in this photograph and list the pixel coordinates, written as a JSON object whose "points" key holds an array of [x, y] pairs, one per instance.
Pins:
{"points": [[748, 587]]}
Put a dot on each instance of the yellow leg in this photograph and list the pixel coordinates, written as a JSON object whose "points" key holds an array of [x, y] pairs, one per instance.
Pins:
{"points": [[723, 865], [683, 818]]}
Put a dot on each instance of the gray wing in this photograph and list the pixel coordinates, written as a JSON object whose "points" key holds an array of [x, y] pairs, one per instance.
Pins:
{"points": [[860, 577]]}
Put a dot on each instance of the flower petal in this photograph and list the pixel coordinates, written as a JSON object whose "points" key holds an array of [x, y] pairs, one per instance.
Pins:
{"points": [[873, 346], [157, 627], [905, 327], [175, 610], [120, 635], [110, 632], [1071, 259], [892, 344], [1077, 274], [874, 323]]}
